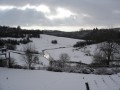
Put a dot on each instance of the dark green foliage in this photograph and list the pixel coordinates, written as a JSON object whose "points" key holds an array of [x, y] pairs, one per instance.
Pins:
{"points": [[18, 66], [90, 36], [3, 63], [6, 31], [25, 41], [76, 34], [12, 63], [11, 42], [102, 35], [83, 43], [10, 46], [54, 41], [80, 44], [1, 43], [54, 69]]}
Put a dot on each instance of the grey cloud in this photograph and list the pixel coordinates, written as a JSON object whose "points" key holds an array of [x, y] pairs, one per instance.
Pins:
{"points": [[20, 17], [101, 12], [30, 17]]}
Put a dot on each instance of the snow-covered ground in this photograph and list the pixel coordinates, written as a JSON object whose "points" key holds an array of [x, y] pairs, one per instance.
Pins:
{"points": [[16, 79], [64, 45]]}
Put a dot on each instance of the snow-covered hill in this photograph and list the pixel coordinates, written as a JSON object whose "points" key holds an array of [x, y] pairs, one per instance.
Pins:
{"points": [[64, 45], [16, 79]]}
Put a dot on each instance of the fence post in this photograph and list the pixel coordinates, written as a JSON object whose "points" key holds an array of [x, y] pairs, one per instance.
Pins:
{"points": [[9, 65], [87, 86]]}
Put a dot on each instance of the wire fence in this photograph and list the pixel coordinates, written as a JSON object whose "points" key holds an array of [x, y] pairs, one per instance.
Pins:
{"points": [[112, 63]]}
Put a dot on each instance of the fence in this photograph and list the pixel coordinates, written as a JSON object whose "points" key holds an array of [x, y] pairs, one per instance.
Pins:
{"points": [[104, 63], [3, 57], [112, 63]]}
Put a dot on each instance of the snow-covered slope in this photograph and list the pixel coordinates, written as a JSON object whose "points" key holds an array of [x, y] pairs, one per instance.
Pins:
{"points": [[64, 45], [75, 55], [15, 79], [44, 42]]}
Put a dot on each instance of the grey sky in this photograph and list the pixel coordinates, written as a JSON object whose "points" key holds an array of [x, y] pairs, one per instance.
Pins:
{"points": [[60, 13]]}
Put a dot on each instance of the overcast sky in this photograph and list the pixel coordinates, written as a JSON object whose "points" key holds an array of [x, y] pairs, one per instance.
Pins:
{"points": [[60, 14]]}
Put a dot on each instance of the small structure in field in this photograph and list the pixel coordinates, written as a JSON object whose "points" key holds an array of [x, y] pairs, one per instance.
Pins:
{"points": [[3, 57]]}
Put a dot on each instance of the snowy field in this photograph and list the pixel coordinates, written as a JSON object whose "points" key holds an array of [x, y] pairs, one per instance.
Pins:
{"points": [[16, 79], [64, 45]]}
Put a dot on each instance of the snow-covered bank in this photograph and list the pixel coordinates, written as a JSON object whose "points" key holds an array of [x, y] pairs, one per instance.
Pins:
{"points": [[15, 79], [44, 43]]}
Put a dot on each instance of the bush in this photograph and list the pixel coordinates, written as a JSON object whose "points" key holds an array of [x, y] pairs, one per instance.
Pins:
{"points": [[1, 43], [55, 69], [50, 69], [83, 43], [10, 46], [25, 41], [80, 44], [87, 71], [3, 63], [116, 70], [72, 69], [17, 66], [54, 41], [103, 71], [12, 63]]}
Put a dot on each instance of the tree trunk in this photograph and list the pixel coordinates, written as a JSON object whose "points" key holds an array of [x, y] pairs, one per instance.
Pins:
{"points": [[9, 63], [108, 63], [109, 58], [29, 66]]}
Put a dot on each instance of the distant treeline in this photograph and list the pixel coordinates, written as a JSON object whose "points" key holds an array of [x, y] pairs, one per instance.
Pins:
{"points": [[101, 35], [90, 36], [14, 42], [75, 35], [6, 31], [12, 32]]}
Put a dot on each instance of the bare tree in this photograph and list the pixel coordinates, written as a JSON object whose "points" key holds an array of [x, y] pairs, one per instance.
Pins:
{"points": [[30, 57], [64, 57], [51, 61], [12, 62], [107, 51], [98, 59]]}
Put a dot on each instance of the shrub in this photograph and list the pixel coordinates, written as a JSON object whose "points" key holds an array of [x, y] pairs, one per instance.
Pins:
{"points": [[3, 63], [54, 41], [12, 63], [80, 44], [103, 71], [50, 69], [17, 66], [25, 41], [10, 46], [55, 69], [86, 71]]}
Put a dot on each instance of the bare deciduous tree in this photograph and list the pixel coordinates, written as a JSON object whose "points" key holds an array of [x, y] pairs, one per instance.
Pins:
{"points": [[30, 57], [107, 51], [64, 57], [98, 59]]}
